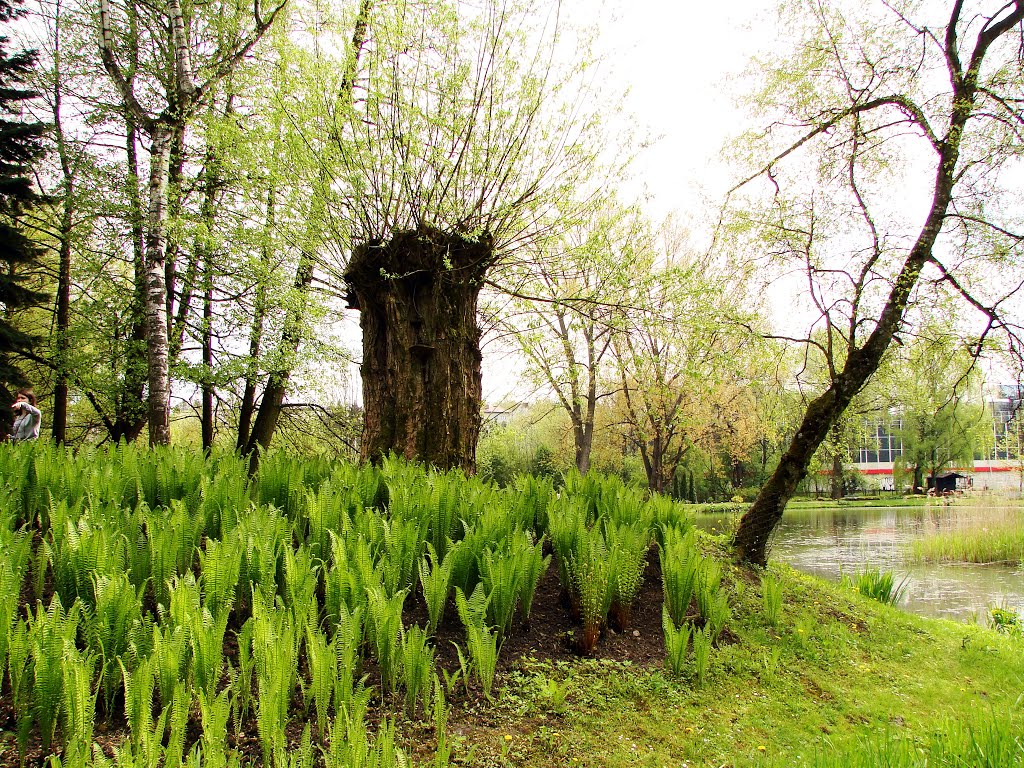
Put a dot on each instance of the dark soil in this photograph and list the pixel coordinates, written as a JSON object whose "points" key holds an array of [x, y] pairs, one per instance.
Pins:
{"points": [[550, 635]]}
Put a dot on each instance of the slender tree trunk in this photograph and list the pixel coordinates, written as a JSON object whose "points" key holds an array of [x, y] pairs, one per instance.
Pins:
{"points": [[259, 314], [63, 320], [272, 402], [756, 526], [208, 432], [422, 389], [837, 476], [277, 384], [156, 290], [130, 407]]}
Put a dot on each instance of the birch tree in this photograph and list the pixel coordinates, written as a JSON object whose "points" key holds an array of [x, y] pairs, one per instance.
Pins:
{"points": [[196, 58]]}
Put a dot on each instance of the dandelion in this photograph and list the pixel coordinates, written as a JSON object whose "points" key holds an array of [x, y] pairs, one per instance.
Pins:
{"points": [[761, 748], [508, 737]]}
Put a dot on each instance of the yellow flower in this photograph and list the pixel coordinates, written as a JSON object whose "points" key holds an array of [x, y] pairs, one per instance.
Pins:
{"points": [[761, 748], [508, 737]]}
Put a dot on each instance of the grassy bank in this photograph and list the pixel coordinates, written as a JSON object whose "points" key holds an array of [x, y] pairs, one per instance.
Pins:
{"points": [[841, 680]]}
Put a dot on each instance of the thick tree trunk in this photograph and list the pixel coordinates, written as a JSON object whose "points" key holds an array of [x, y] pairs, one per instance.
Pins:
{"points": [[422, 388]]}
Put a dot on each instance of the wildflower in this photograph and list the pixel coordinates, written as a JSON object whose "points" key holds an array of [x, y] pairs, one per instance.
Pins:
{"points": [[508, 737], [761, 748]]}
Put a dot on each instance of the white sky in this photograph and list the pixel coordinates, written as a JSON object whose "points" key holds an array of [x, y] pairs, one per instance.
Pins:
{"points": [[679, 61]]}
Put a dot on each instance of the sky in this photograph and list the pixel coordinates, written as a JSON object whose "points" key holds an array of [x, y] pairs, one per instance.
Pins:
{"points": [[680, 62]]}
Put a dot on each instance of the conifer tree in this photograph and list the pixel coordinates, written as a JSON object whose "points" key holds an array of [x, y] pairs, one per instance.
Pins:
{"points": [[20, 145]]}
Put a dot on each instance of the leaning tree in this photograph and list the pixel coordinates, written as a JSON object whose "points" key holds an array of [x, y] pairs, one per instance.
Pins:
{"points": [[465, 144], [894, 171]]}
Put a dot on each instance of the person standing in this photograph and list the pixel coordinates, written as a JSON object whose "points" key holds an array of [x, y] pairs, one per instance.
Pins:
{"points": [[27, 417]]}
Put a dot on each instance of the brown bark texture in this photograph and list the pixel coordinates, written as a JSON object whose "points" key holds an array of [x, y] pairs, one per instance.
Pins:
{"points": [[422, 388]]}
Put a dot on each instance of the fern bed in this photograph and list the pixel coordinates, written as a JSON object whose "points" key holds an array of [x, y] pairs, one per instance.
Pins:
{"points": [[161, 609]]}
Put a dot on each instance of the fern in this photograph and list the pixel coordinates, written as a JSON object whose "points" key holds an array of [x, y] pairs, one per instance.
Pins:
{"points": [[323, 672], [480, 641], [435, 580], [79, 704], [384, 622], [214, 711], [108, 627], [702, 653], [170, 657], [221, 564], [177, 725], [500, 578], [534, 565], [51, 632], [206, 640], [138, 700], [679, 562], [677, 640], [417, 669]]}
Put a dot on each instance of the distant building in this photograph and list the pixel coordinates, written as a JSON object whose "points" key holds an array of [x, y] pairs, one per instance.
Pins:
{"points": [[997, 465]]}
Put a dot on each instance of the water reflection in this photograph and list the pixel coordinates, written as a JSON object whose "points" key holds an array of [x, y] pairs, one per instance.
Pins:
{"points": [[831, 542]]}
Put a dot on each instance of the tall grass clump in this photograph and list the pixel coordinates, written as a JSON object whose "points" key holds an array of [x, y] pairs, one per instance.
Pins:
{"points": [[984, 741], [999, 542], [878, 585]]}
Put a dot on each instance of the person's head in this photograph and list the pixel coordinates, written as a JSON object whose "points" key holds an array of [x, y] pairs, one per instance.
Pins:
{"points": [[26, 396]]}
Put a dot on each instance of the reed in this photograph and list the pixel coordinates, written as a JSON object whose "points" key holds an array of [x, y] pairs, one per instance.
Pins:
{"points": [[878, 585], [1001, 541]]}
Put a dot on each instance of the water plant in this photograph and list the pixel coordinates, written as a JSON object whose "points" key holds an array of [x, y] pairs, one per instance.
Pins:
{"points": [[878, 585]]}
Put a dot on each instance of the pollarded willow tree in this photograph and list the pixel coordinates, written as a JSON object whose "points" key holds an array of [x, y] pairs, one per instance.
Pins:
{"points": [[465, 143], [899, 128]]}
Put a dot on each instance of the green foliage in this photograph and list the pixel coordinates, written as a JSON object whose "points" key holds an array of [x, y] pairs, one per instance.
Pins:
{"points": [[878, 585], [677, 642], [1006, 622], [771, 598]]}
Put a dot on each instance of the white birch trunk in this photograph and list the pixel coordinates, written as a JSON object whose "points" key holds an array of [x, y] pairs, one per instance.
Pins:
{"points": [[156, 290]]}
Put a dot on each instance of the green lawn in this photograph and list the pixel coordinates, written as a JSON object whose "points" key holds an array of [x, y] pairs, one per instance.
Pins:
{"points": [[840, 680]]}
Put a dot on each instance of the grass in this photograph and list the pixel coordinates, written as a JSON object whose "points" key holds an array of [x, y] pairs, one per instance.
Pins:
{"points": [[975, 534], [842, 680]]}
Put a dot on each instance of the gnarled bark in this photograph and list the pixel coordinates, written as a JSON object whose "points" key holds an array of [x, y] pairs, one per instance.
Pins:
{"points": [[422, 387]]}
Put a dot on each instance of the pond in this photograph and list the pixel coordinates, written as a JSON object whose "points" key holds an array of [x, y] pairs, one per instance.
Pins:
{"points": [[836, 541]]}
